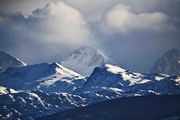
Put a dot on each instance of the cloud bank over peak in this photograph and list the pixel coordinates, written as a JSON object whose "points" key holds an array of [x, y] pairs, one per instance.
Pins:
{"points": [[127, 31], [121, 19], [63, 23], [51, 31]]}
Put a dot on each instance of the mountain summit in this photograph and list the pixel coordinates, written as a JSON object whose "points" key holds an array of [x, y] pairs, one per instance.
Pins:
{"points": [[84, 60], [7, 60], [169, 63]]}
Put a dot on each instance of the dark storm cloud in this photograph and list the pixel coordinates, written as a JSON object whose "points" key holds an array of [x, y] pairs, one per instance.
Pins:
{"points": [[135, 40]]}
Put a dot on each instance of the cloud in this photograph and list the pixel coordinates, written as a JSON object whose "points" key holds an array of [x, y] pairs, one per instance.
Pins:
{"points": [[122, 20], [55, 29], [62, 24], [25, 7]]}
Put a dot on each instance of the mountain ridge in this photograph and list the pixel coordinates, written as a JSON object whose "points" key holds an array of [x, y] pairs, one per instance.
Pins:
{"points": [[46, 88], [39, 76]]}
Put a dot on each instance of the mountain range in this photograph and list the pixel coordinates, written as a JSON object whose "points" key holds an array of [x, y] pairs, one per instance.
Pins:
{"points": [[33, 91]]}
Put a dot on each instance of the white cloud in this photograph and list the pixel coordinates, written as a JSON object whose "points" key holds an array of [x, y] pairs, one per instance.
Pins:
{"points": [[121, 19], [52, 31], [56, 23], [61, 23], [87, 6], [24, 6]]}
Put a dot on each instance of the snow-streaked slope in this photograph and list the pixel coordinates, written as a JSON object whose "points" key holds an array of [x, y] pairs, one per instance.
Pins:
{"points": [[47, 77], [114, 81], [113, 76], [7, 60], [84, 60], [46, 88], [30, 105], [169, 63]]}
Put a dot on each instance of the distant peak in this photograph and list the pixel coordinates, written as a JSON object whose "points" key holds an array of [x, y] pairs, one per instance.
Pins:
{"points": [[6, 61], [89, 49], [168, 63], [4, 54], [83, 60]]}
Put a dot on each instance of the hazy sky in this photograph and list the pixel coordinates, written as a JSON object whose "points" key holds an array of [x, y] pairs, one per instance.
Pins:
{"points": [[132, 33]]}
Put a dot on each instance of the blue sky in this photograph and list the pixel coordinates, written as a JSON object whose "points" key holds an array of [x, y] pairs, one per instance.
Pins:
{"points": [[133, 34]]}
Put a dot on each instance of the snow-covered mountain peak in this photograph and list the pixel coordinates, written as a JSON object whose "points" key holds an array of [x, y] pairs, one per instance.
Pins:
{"points": [[114, 69], [84, 60], [7, 60], [114, 77], [169, 63], [65, 71]]}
